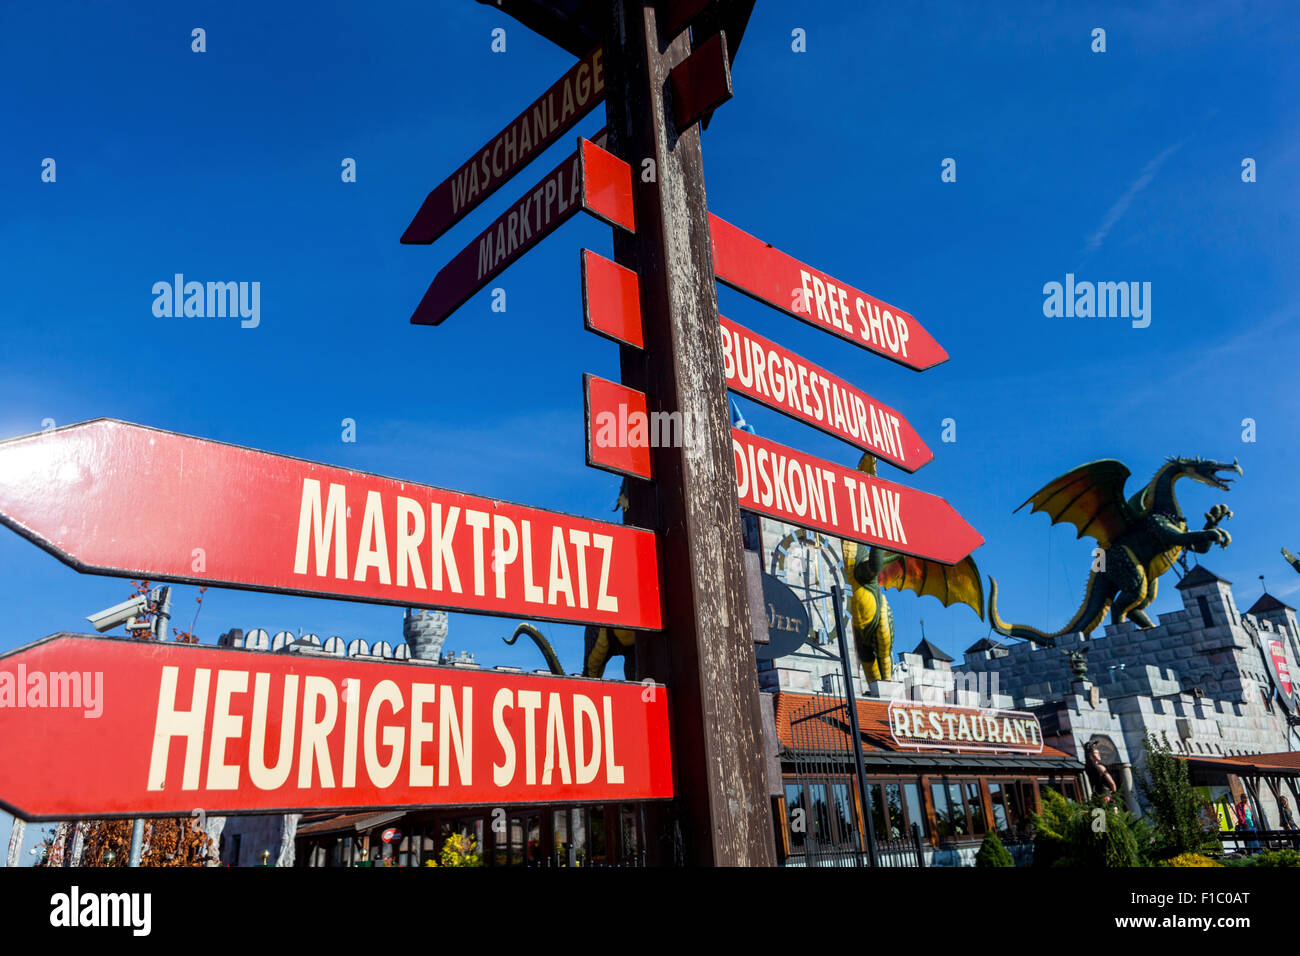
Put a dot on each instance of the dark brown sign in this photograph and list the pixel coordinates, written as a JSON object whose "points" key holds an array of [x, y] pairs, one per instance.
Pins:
{"points": [[590, 180], [551, 115]]}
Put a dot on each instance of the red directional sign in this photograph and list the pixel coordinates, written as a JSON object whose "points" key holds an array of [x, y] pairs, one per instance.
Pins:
{"points": [[114, 498], [591, 180], [611, 300], [782, 483], [95, 727], [620, 431], [554, 113], [769, 373], [754, 267]]}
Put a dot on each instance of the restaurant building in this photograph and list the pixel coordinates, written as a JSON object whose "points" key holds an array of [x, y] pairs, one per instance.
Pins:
{"points": [[943, 768]]}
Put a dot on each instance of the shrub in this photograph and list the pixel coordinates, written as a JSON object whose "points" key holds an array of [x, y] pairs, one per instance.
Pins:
{"points": [[1181, 824], [1189, 859], [993, 853], [1267, 858], [1098, 833]]}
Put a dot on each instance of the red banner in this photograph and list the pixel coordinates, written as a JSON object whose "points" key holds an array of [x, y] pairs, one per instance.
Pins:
{"points": [[782, 483], [769, 373], [756, 268], [552, 114], [112, 726], [115, 498]]}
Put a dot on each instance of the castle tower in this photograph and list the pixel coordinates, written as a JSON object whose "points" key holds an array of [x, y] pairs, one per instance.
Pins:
{"points": [[425, 633]]}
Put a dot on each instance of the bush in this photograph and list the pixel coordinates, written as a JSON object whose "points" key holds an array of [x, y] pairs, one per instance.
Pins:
{"points": [[1181, 824], [1267, 858], [993, 853], [1189, 859], [1098, 833]]}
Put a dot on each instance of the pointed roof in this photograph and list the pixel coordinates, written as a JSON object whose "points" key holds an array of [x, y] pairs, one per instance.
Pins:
{"points": [[929, 652], [1199, 575], [1268, 603], [984, 644]]}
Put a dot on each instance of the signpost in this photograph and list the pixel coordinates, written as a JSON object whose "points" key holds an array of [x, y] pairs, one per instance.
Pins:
{"points": [[778, 378], [590, 180], [101, 727], [179, 726], [791, 486], [550, 116], [756, 268], [113, 498]]}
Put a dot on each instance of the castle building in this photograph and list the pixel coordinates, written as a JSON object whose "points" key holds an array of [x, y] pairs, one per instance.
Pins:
{"points": [[1212, 680]]}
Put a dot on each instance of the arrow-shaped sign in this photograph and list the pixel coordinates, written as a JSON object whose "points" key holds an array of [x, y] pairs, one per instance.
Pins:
{"points": [[754, 267], [95, 727], [791, 486], [759, 369], [550, 116], [113, 498], [590, 180]]}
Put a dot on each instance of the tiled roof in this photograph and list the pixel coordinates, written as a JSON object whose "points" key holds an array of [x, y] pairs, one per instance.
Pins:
{"points": [[929, 652], [984, 644], [873, 722], [1199, 575], [1268, 603]]}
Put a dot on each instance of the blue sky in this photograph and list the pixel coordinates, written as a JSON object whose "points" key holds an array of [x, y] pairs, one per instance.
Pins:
{"points": [[225, 165]]}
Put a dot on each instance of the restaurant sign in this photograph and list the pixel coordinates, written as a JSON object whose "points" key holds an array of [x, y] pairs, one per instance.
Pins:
{"points": [[942, 727]]}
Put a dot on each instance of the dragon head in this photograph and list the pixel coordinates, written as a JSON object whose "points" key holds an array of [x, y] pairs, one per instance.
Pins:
{"points": [[1205, 471]]}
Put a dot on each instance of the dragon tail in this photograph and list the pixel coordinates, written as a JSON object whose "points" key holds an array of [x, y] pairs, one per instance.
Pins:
{"points": [[1090, 614], [542, 643]]}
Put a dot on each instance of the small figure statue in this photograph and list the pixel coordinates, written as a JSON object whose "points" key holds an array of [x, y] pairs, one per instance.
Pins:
{"points": [[1098, 775], [1079, 663]]}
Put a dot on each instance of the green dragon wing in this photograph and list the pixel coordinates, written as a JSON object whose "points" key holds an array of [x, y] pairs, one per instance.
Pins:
{"points": [[958, 583], [1091, 497]]}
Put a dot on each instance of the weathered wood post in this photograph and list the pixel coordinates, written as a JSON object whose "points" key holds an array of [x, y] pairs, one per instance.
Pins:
{"points": [[706, 655]]}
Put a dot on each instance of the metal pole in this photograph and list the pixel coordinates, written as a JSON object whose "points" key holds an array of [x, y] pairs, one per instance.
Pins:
{"points": [[163, 614], [851, 698], [137, 841]]}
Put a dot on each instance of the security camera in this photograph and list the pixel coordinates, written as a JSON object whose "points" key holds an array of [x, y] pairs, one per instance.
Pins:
{"points": [[119, 613]]}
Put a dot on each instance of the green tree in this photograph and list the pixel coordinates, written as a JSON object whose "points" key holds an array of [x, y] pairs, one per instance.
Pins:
{"points": [[1179, 816], [992, 852]]}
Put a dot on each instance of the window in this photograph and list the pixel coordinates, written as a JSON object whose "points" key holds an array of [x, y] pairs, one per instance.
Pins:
{"points": [[942, 812], [975, 807], [1000, 819], [878, 825], [821, 816], [796, 813], [912, 796], [1204, 605], [845, 818], [894, 803]]}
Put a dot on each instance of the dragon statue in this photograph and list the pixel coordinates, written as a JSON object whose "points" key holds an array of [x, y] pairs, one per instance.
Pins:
{"points": [[600, 644], [1140, 537], [1291, 559], [873, 570]]}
